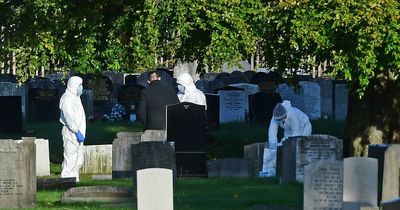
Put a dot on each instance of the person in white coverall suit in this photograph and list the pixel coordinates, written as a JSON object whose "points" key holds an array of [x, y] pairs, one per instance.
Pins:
{"points": [[188, 91], [293, 121], [74, 129]]}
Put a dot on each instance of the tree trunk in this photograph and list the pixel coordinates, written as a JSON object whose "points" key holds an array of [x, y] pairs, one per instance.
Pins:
{"points": [[375, 118]]}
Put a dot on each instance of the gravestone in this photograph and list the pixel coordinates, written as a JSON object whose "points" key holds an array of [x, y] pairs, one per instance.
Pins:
{"points": [[186, 128], [98, 194], [43, 104], [42, 157], [155, 189], [129, 97], [248, 88], [152, 154], [360, 182], [122, 155], [254, 154], [204, 85], [232, 106], [154, 135], [299, 152], [391, 205], [249, 74], [391, 175], [212, 112], [377, 151], [228, 167], [102, 88], [131, 79], [341, 101], [237, 77], [307, 100], [9, 88], [10, 114], [56, 183], [259, 78], [98, 159], [323, 185], [17, 174], [326, 97], [87, 102]]}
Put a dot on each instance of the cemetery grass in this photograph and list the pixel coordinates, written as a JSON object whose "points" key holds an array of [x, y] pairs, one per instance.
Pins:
{"points": [[199, 194]]}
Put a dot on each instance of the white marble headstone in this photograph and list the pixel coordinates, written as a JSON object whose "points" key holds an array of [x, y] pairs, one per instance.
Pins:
{"points": [[360, 183], [155, 189], [308, 99], [42, 157]]}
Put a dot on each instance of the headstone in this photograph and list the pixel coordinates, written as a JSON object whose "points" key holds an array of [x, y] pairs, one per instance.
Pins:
{"points": [[232, 106], [341, 101], [98, 194], [323, 185], [152, 154], [254, 154], [87, 102], [17, 174], [98, 159], [378, 151], [10, 114], [154, 135], [155, 189], [228, 167], [122, 155], [186, 128], [212, 112], [129, 97], [391, 205], [43, 104], [391, 175], [204, 86], [249, 74], [130, 79], [102, 88], [299, 152], [55, 183], [326, 97], [42, 157], [9, 88], [307, 100], [249, 89], [360, 182], [258, 78], [237, 77]]}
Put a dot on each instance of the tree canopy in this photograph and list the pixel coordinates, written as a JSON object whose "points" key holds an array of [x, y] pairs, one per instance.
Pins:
{"points": [[358, 39]]}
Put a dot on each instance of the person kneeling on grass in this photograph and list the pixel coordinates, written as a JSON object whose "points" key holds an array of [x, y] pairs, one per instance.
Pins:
{"points": [[73, 132], [293, 121]]}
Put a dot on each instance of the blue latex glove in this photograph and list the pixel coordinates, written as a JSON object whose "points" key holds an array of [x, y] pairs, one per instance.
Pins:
{"points": [[79, 137]]}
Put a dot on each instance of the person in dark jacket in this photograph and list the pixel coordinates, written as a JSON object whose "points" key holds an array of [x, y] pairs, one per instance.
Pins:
{"points": [[153, 102]]}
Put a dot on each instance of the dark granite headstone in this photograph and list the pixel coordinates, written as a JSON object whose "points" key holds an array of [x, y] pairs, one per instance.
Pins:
{"points": [[186, 127], [152, 154], [129, 97], [131, 79], [258, 78], [249, 74], [8, 78], [43, 104], [212, 114], [10, 114], [102, 92], [55, 183], [237, 77], [378, 151]]}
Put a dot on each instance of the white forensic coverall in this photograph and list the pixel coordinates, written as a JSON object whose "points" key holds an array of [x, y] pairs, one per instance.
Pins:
{"points": [[73, 118], [191, 93], [296, 124]]}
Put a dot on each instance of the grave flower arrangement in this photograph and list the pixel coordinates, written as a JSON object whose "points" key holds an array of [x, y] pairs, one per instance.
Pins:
{"points": [[117, 112]]}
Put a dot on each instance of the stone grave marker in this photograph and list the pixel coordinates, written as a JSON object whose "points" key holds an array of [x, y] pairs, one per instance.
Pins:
{"points": [[42, 157], [129, 97], [98, 194], [44, 97], [98, 159], [212, 112], [186, 128], [228, 167], [254, 154], [152, 154], [121, 154], [249, 74], [299, 152], [155, 189], [391, 175], [307, 100], [341, 101], [10, 114], [102, 88], [326, 97], [87, 102], [154, 135], [360, 182], [130, 79], [11, 88], [323, 185], [56, 183], [17, 174], [391, 205], [377, 151], [232, 105]]}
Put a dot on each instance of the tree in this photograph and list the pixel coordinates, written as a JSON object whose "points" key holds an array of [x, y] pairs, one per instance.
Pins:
{"points": [[360, 40]]}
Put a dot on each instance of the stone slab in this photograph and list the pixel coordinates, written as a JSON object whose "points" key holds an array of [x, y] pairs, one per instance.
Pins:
{"points": [[391, 175], [55, 183], [253, 153], [98, 159], [100, 194], [42, 157], [121, 154]]}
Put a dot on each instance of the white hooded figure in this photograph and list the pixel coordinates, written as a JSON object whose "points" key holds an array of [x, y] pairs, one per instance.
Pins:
{"points": [[73, 132], [188, 91], [294, 122]]}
